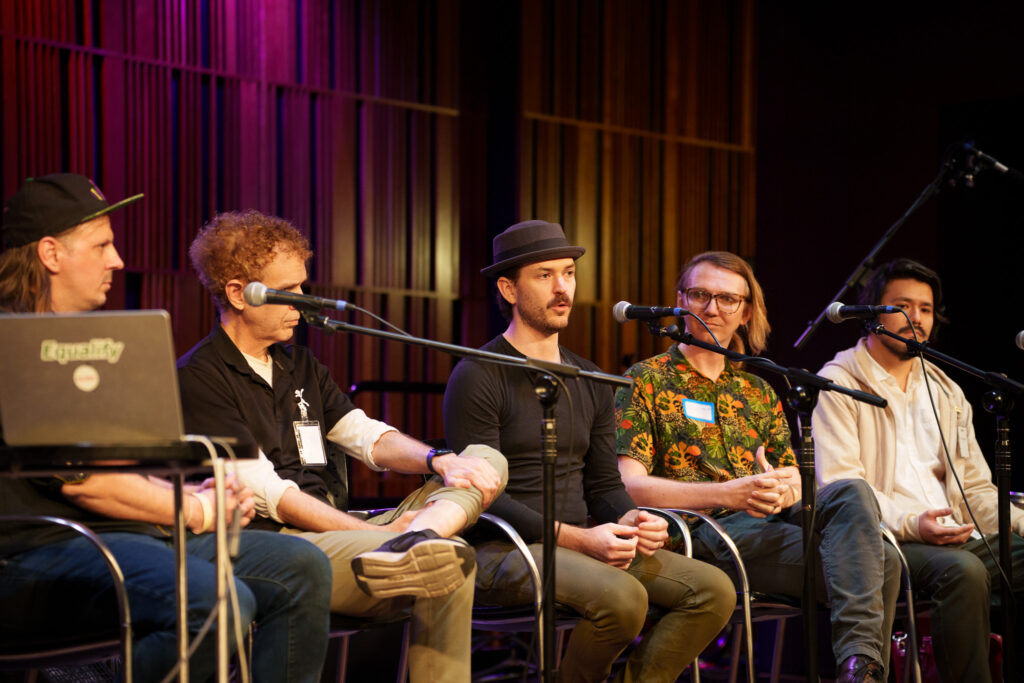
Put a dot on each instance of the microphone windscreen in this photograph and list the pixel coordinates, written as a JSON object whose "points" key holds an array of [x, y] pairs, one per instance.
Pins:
{"points": [[619, 311], [833, 312], [255, 294]]}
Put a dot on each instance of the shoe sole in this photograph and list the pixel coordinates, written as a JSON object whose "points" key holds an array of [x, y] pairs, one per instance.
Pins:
{"points": [[428, 569]]}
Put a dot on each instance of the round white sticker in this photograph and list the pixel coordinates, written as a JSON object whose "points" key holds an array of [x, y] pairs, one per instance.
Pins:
{"points": [[85, 377]]}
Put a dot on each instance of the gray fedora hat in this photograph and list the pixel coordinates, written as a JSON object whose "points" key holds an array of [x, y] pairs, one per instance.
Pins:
{"points": [[530, 242]]}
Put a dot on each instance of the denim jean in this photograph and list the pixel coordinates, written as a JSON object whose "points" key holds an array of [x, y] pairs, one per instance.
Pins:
{"points": [[283, 584], [858, 573]]}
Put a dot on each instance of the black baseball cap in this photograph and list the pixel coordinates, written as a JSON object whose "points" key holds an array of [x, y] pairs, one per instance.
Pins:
{"points": [[51, 204]]}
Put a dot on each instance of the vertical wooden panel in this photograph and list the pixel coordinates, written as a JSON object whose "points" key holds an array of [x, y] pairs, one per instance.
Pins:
{"points": [[638, 119]]}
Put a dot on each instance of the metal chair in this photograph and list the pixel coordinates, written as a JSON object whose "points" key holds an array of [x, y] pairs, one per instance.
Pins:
{"points": [[751, 608], [31, 655], [527, 618], [912, 664]]}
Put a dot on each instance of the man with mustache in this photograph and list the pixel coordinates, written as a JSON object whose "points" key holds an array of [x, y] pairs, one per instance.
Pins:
{"points": [[899, 451], [608, 572]]}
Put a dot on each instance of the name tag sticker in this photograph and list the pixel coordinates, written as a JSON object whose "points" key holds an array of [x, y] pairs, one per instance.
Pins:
{"points": [[699, 410], [311, 446]]}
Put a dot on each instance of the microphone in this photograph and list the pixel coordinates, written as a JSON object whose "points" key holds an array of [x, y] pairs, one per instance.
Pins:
{"points": [[624, 311], [1020, 340], [258, 294], [837, 312], [991, 162]]}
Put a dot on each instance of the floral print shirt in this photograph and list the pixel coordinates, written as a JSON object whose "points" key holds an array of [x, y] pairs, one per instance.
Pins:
{"points": [[662, 425]]}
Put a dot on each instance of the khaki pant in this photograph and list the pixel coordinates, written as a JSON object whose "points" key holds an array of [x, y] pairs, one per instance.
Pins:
{"points": [[440, 632]]}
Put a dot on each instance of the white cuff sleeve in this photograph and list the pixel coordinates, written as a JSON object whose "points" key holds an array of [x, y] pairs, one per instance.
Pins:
{"points": [[357, 434], [267, 486]]}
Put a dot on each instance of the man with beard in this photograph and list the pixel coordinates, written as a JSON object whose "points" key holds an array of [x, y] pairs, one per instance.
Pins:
{"points": [[608, 572], [899, 451], [698, 432]]}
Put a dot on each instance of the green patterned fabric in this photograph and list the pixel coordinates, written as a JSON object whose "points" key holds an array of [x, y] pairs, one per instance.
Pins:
{"points": [[651, 426]]}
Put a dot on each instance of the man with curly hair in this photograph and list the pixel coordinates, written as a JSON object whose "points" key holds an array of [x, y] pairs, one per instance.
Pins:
{"points": [[244, 380], [697, 432], [59, 257]]}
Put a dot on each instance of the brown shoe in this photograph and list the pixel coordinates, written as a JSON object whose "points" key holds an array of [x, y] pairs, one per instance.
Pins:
{"points": [[859, 668]]}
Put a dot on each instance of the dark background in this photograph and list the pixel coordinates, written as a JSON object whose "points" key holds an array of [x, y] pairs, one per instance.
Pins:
{"points": [[855, 109]]}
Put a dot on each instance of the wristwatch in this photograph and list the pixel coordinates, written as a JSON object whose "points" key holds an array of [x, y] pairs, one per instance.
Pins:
{"points": [[433, 453]]}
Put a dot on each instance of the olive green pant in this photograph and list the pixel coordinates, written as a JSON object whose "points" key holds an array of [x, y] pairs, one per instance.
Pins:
{"points": [[698, 600]]}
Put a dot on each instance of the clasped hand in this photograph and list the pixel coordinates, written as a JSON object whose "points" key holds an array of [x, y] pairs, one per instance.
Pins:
{"points": [[769, 492]]}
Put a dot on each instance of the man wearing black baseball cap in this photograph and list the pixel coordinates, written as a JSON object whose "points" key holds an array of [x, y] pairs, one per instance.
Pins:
{"points": [[59, 257], [59, 250]]}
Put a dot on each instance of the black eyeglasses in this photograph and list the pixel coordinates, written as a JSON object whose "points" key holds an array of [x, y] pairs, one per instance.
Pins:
{"points": [[727, 302]]}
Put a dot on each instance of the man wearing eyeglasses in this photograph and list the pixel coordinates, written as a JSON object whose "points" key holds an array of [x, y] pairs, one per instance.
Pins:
{"points": [[697, 432], [899, 450]]}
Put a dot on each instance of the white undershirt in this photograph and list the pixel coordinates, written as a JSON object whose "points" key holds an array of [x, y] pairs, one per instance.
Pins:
{"points": [[918, 484]]}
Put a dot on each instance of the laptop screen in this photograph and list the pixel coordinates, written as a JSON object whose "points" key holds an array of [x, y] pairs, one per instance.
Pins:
{"points": [[100, 378]]}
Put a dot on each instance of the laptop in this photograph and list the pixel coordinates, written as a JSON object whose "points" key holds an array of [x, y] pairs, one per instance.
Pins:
{"points": [[103, 378]]}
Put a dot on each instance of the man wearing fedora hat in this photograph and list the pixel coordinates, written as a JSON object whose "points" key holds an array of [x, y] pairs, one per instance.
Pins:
{"points": [[60, 257], [609, 572]]}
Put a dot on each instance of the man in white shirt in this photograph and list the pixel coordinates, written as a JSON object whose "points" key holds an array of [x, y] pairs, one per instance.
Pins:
{"points": [[901, 452], [245, 381]]}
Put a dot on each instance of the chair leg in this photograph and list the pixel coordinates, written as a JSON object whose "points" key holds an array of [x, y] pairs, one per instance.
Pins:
{"points": [[342, 661], [695, 670], [780, 637], [737, 642], [403, 658]]}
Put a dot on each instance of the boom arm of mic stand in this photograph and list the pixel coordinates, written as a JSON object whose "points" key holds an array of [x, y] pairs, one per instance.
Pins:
{"points": [[869, 260], [331, 325], [995, 380], [799, 375], [549, 444]]}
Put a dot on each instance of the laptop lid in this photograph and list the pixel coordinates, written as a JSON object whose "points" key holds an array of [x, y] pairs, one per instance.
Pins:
{"points": [[100, 378]]}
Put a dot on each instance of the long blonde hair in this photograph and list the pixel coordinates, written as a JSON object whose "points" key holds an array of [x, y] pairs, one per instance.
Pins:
{"points": [[24, 280], [754, 333]]}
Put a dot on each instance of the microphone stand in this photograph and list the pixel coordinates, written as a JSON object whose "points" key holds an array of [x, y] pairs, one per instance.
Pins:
{"points": [[998, 401], [801, 397], [953, 168], [547, 394]]}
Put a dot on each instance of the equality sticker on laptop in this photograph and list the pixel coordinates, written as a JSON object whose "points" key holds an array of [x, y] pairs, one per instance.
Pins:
{"points": [[702, 411], [96, 349]]}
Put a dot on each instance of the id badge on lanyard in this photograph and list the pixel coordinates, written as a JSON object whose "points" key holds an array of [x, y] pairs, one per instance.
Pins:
{"points": [[307, 435]]}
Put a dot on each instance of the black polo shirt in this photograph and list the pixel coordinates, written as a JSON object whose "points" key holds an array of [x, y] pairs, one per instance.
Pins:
{"points": [[221, 395]]}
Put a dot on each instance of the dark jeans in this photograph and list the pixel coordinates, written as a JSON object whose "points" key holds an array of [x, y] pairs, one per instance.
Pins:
{"points": [[958, 579], [284, 584], [859, 574]]}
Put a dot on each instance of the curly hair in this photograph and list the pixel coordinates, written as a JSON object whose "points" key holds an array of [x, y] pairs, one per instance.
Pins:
{"points": [[239, 245], [753, 333]]}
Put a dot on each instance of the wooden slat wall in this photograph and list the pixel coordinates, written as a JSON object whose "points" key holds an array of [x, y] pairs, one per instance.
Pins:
{"points": [[340, 116], [635, 131], [637, 135]]}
